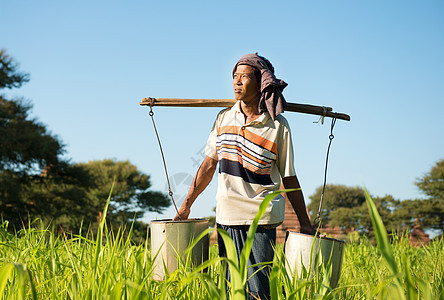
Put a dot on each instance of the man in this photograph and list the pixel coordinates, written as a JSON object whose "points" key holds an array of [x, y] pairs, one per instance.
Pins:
{"points": [[252, 144]]}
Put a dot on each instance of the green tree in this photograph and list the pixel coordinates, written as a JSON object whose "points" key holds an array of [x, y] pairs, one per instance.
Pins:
{"points": [[26, 144], [345, 207], [387, 206], [59, 196], [36, 183], [430, 212], [432, 183], [335, 197], [26, 147], [73, 195], [131, 196], [9, 75]]}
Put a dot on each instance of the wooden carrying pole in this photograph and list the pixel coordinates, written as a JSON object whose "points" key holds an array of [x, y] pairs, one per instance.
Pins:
{"points": [[294, 107]]}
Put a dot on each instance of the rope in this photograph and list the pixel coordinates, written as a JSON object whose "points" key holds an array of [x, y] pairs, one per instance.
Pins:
{"points": [[170, 193], [331, 137]]}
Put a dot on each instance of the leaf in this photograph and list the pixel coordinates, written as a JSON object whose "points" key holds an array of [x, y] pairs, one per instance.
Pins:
{"points": [[5, 272], [246, 250], [382, 239]]}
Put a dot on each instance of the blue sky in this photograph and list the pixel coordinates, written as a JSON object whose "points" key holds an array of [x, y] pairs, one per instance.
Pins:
{"points": [[381, 62]]}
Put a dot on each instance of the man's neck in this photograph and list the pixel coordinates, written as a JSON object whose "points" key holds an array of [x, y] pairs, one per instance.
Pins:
{"points": [[250, 110]]}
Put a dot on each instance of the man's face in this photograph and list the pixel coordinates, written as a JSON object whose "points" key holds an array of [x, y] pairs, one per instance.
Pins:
{"points": [[245, 85]]}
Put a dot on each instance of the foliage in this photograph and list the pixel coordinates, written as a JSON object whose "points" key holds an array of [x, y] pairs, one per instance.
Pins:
{"points": [[35, 182], [26, 144], [9, 76], [405, 285], [58, 197], [238, 265], [366, 274], [131, 197], [345, 207], [431, 212], [335, 197], [73, 194], [26, 148], [432, 183], [39, 264]]}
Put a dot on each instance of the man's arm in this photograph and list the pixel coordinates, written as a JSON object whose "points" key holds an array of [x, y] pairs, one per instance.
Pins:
{"points": [[297, 201], [202, 178]]}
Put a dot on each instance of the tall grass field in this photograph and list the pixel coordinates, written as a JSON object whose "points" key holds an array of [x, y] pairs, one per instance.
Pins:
{"points": [[38, 264]]}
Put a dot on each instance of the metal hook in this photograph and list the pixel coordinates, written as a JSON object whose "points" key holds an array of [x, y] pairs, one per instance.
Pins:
{"points": [[151, 101], [324, 114]]}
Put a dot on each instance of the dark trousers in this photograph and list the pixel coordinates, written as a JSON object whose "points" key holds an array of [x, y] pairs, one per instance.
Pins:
{"points": [[261, 251]]}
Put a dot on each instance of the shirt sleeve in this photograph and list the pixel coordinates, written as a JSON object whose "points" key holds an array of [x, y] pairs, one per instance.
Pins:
{"points": [[285, 156], [210, 148]]}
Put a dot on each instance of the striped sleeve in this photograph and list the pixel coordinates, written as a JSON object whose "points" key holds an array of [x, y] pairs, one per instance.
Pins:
{"points": [[210, 148], [285, 155]]}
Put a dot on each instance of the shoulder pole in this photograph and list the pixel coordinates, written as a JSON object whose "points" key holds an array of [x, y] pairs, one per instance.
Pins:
{"points": [[293, 107]]}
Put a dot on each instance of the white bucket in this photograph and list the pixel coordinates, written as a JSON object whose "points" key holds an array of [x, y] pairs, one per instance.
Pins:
{"points": [[169, 238], [298, 249]]}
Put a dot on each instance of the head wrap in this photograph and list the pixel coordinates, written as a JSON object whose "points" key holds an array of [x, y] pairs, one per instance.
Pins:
{"points": [[271, 99]]}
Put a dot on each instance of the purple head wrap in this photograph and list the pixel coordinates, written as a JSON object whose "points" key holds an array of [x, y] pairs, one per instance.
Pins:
{"points": [[271, 99]]}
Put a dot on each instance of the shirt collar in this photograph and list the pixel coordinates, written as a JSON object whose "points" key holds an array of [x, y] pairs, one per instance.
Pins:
{"points": [[263, 118]]}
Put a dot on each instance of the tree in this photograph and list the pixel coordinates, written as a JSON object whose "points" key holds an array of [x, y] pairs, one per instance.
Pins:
{"points": [[430, 212], [9, 76], [345, 207], [26, 147], [387, 206], [26, 144], [75, 194], [58, 196], [131, 196], [35, 182], [335, 197], [432, 183]]}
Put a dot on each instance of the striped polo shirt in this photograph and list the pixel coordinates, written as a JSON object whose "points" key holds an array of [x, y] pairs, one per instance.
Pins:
{"points": [[252, 160]]}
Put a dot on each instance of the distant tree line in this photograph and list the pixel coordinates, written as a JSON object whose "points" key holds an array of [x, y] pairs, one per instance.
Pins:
{"points": [[37, 183], [345, 206]]}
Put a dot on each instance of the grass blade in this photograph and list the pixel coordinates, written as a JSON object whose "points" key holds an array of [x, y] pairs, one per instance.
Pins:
{"points": [[237, 290], [246, 250], [382, 240], [5, 272]]}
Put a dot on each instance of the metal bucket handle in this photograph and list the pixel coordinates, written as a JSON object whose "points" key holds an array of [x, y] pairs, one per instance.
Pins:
{"points": [[317, 220]]}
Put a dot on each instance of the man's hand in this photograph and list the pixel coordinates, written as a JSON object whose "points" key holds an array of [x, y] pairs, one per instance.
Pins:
{"points": [[310, 229], [307, 229], [184, 212]]}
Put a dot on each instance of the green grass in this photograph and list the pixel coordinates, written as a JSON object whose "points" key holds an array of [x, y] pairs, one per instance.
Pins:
{"points": [[38, 264]]}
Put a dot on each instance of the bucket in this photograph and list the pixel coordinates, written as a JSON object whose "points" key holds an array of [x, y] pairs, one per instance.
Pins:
{"points": [[169, 238], [298, 249]]}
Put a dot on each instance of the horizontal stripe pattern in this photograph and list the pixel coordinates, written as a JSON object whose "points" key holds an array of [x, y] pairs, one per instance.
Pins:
{"points": [[244, 154], [236, 169], [250, 136]]}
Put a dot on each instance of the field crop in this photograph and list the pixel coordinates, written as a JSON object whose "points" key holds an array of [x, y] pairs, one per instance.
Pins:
{"points": [[38, 264]]}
